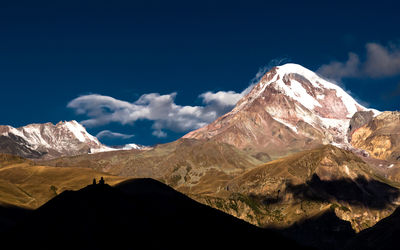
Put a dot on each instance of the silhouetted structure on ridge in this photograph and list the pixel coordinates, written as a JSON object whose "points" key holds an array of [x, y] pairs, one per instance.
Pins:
{"points": [[101, 181], [94, 181]]}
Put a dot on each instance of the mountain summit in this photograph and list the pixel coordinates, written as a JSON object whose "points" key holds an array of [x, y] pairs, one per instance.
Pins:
{"points": [[291, 108]]}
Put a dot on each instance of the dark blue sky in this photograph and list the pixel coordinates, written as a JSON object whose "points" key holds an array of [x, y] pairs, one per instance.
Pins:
{"points": [[53, 52]]}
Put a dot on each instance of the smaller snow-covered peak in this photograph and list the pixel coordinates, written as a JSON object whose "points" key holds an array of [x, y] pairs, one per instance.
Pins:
{"points": [[79, 132], [77, 129], [63, 139]]}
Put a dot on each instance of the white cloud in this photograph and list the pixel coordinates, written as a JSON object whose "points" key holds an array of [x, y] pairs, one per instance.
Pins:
{"points": [[110, 134], [338, 70], [161, 109], [159, 133], [380, 61], [222, 98]]}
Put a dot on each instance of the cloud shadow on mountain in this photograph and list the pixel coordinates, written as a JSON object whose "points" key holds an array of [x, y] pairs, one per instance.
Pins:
{"points": [[359, 191]]}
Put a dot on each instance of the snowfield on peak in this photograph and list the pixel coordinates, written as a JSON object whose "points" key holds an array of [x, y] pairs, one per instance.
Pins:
{"points": [[80, 132], [318, 102], [298, 91]]}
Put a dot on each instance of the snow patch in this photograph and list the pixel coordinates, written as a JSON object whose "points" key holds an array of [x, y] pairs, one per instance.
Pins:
{"points": [[292, 127], [132, 146], [77, 130], [125, 147], [316, 81]]}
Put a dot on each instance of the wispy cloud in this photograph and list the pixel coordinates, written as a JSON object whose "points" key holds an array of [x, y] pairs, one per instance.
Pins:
{"points": [[338, 70], [159, 134], [380, 61], [264, 69], [113, 135]]}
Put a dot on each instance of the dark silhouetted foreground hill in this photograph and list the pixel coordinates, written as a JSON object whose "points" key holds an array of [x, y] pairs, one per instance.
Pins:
{"points": [[324, 231], [136, 214]]}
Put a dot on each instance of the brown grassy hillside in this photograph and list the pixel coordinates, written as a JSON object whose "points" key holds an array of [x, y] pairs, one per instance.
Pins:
{"points": [[27, 185]]}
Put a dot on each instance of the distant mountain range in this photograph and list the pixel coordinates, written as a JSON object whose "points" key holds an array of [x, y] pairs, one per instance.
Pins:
{"points": [[296, 147], [46, 141]]}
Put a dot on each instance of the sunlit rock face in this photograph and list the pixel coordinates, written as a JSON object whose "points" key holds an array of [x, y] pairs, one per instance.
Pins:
{"points": [[380, 137]]}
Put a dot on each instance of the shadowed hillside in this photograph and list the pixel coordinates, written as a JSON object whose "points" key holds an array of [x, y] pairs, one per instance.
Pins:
{"points": [[137, 214]]}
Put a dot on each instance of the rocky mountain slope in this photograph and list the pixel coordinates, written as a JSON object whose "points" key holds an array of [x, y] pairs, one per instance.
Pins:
{"points": [[290, 109]]}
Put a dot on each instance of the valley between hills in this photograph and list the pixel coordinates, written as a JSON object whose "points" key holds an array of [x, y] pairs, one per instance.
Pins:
{"points": [[295, 154]]}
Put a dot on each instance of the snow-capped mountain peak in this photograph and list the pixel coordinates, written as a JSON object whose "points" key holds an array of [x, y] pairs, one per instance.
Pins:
{"points": [[288, 96], [79, 131], [314, 100], [308, 89]]}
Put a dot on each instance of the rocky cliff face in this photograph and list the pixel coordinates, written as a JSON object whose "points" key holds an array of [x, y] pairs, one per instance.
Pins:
{"points": [[380, 137], [358, 120], [290, 109]]}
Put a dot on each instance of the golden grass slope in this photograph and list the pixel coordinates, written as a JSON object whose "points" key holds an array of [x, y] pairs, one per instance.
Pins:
{"points": [[27, 185]]}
